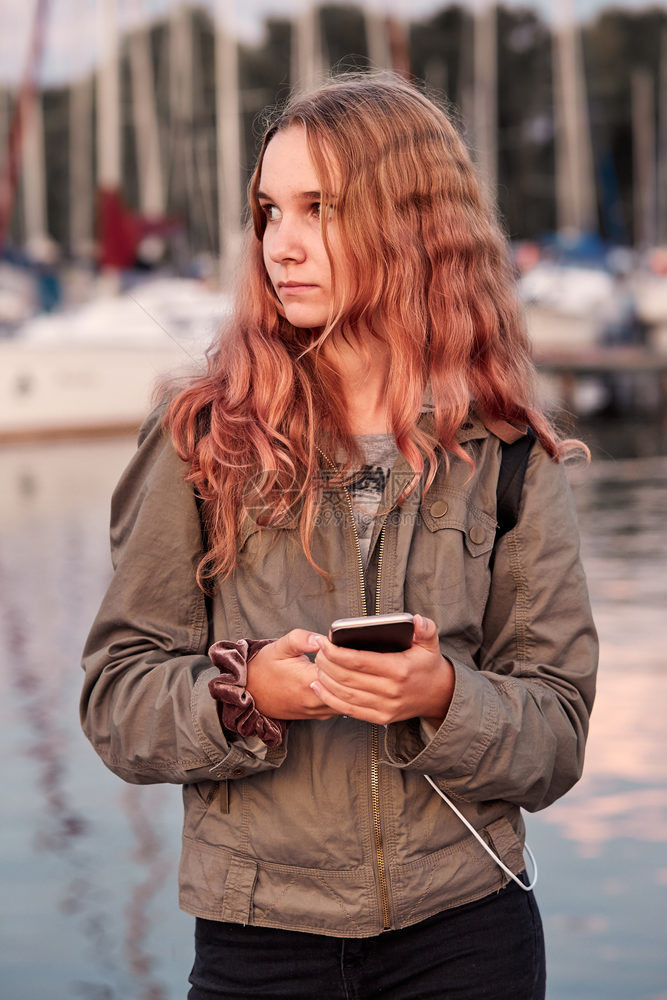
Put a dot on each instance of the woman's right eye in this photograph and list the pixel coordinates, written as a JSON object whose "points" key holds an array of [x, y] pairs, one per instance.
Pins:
{"points": [[271, 212]]}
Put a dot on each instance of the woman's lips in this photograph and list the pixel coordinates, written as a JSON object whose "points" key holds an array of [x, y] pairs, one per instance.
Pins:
{"points": [[294, 287]]}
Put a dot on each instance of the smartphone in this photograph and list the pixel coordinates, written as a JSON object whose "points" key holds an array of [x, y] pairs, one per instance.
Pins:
{"points": [[379, 633]]}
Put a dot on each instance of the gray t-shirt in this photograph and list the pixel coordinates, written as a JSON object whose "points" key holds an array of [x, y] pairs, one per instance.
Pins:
{"points": [[368, 486], [366, 492]]}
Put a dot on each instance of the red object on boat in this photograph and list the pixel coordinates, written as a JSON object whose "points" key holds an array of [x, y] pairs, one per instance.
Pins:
{"points": [[120, 230]]}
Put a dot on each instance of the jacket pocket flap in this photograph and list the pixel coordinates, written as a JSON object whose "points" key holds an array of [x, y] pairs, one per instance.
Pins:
{"points": [[239, 889], [453, 510], [506, 844]]}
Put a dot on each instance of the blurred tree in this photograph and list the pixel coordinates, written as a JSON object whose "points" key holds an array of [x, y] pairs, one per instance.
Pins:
{"points": [[617, 44], [344, 34], [439, 54], [525, 124], [264, 78]]}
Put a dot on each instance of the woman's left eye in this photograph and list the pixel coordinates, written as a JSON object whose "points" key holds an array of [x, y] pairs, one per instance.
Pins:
{"points": [[329, 208]]}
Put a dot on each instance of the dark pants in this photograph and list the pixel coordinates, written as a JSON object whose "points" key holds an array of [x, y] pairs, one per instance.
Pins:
{"points": [[492, 949]]}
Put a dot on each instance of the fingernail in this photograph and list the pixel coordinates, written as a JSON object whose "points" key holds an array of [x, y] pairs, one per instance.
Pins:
{"points": [[317, 688], [315, 641]]}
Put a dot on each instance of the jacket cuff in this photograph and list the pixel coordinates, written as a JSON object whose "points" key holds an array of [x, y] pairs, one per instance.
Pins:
{"points": [[230, 758], [458, 745]]}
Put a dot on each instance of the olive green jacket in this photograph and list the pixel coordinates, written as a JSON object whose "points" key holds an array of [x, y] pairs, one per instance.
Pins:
{"points": [[336, 831]]}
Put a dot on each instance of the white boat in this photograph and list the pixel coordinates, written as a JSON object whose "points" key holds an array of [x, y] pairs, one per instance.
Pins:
{"points": [[563, 306], [651, 297], [94, 369]]}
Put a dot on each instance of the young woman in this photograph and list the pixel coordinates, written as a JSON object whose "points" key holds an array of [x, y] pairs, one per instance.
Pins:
{"points": [[341, 458]]}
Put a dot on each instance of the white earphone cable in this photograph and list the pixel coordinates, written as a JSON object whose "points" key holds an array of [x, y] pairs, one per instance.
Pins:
{"points": [[526, 888]]}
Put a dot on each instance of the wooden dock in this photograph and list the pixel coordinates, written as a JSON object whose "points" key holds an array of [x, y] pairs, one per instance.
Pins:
{"points": [[640, 364]]}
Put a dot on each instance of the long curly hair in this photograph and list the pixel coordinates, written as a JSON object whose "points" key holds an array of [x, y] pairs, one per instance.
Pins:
{"points": [[427, 271]]}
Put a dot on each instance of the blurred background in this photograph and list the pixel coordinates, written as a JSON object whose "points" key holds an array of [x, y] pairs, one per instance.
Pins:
{"points": [[128, 130]]}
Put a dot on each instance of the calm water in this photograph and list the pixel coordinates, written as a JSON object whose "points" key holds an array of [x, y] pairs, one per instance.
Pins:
{"points": [[89, 864]]}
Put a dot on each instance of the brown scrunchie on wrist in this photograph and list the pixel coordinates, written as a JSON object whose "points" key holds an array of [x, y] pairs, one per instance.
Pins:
{"points": [[237, 710]]}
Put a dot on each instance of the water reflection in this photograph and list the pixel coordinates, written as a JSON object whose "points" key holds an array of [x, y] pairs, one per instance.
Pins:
{"points": [[34, 619], [53, 567], [92, 863], [157, 865], [623, 793], [602, 848]]}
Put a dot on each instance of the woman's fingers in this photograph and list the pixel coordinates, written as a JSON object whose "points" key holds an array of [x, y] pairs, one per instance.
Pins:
{"points": [[386, 687], [356, 661], [340, 706], [296, 643], [376, 687], [367, 690], [425, 631], [372, 694], [279, 678]]}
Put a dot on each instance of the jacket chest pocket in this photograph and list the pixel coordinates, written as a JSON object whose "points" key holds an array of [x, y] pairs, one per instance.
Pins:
{"points": [[450, 556], [453, 512]]}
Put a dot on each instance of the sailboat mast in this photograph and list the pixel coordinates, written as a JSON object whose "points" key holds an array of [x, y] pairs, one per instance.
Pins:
{"points": [[108, 100], [576, 206], [34, 178], [662, 139], [485, 94], [228, 137], [306, 55], [5, 131], [377, 37], [643, 159], [149, 159], [81, 197], [181, 107]]}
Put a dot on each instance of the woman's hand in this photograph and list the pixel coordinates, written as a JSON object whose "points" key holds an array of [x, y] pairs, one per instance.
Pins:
{"points": [[280, 677], [387, 687]]}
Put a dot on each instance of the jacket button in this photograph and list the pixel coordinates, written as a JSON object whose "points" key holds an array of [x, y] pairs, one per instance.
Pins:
{"points": [[439, 508], [477, 534]]}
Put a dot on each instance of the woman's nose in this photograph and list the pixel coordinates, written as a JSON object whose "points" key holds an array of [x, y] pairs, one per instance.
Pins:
{"points": [[285, 241]]}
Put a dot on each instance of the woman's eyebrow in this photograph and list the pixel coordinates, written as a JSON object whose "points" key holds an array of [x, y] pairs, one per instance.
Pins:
{"points": [[303, 195]]}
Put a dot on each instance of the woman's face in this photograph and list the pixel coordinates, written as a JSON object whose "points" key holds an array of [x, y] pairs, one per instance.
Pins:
{"points": [[294, 254]]}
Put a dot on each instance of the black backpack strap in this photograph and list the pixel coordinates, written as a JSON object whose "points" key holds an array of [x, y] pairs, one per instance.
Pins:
{"points": [[513, 466]]}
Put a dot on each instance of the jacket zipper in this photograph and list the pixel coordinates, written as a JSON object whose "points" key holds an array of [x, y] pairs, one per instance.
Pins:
{"points": [[360, 562], [375, 768], [375, 729]]}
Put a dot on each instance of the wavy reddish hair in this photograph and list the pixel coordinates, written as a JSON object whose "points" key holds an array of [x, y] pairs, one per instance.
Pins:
{"points": [[427, 270]]}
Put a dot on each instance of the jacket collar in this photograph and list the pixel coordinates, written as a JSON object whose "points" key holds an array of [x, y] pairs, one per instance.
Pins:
{"points": [[477, 426], [471, 429]]}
